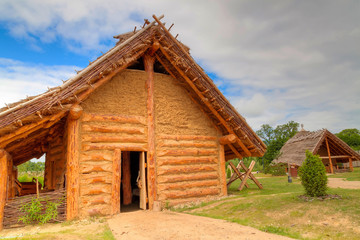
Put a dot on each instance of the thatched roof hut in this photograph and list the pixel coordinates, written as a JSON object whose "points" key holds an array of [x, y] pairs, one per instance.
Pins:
{"points": [[321, 142], [145, 108]]}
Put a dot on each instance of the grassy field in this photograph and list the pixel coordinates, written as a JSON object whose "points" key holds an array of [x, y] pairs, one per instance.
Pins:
{"points": [[277, 209], [350, 176]]}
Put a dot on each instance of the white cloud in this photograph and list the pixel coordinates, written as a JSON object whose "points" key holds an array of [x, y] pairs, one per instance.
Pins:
{"points": [[289, 60]]}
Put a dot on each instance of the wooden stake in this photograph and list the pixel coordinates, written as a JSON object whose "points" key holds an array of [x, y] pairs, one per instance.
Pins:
{"points": [[116, 180], [126, 179], [3, 183], [72, 163], [151, 158], [328, 151]]}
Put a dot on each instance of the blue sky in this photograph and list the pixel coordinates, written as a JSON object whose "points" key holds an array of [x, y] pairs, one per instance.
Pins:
{"points": [[275, 61]]}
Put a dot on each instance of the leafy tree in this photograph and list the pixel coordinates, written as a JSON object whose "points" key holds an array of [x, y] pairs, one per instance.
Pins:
{"points": [[351, 137], [313, 175], [276, 138], [30, 166]]}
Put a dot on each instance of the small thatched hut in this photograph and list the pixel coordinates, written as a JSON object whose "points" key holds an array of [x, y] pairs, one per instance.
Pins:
{"points": [[335, 153], [143, 120]]}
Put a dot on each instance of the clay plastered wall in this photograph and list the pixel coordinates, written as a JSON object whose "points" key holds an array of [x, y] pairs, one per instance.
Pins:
{"points": [[187, 146], [114, 118]]}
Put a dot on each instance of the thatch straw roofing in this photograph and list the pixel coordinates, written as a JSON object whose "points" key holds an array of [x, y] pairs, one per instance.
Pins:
{"points": [[293, 152], [26, 125]]}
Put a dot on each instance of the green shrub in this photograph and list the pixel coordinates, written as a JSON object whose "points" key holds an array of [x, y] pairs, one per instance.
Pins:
{"points": [[228, 173], [36, 211], [313, 176], [276, 169]]}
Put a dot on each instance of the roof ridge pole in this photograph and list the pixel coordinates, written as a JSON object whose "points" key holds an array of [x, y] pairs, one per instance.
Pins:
{"points": [[80, 74]]}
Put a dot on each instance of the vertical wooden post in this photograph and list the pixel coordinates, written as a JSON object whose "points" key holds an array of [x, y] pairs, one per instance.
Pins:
{"points": [[116, 180], [222, 171], [151, 158], [72, 163], [126, 179], [328, 150], [351, 165], [11, 180], [3, 183]]}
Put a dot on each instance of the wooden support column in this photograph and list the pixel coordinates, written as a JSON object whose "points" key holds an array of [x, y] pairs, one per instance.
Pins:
{"points": [[116, 180], [72, 163], [126, 178], [4, 159], [222, 171], [151, 158], [328, 151], [351, 165]]}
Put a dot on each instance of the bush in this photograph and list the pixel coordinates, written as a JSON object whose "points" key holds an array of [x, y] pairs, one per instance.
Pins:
{"points": [[276, 169], [313, 176], [35, 211]]}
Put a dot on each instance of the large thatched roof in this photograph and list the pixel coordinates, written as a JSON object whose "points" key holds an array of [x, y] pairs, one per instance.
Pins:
{"points": [[293, 151], [26, 126]]}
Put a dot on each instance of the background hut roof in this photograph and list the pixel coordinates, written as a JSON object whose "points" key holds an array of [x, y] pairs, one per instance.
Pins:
{"points": [[35, 116], [294, 149]]}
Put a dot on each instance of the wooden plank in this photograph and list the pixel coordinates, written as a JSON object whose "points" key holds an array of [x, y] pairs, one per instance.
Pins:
{"points": [[116, 181], [151, 156], [248, 172], [187, 137], [93, 127], [251, 175], [185, 160], [328, 151], [72, 163], [126, 178], [3, 183], [335, 157], [186, 169], [222, 171], [93, 117], [142, 184]]}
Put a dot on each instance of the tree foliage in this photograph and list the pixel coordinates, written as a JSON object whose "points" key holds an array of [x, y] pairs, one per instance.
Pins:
{"points": [[351, 137], [30, 166], [275, 138], [313, 176]]}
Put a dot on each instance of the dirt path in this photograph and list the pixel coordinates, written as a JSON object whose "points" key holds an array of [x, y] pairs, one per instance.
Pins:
{"points": [[342, 183], [171, 225]]}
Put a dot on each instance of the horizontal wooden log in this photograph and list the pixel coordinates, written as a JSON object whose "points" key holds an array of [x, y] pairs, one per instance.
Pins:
{"points": [[88, 168], [96, 177], [112, 138], [92, 117], [111, 146], [187, 177], [185, 186], [186, 169], [112, 129], [192, 193], [228, 139], [185, 160], [188, 144], [187, 152], [95, 190], [336, 157], [96, 156], [187, 137]]}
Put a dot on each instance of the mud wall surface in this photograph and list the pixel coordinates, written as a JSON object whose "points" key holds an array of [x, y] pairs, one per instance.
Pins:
{"points": [[114, 118], [187, 148]]}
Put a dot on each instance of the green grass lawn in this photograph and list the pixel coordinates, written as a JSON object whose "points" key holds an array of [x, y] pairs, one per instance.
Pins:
{"points": [[350, 176], [277, 209]]}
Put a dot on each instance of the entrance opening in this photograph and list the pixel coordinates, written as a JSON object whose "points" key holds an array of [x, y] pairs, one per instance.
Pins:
{"points": [[133, 177]]}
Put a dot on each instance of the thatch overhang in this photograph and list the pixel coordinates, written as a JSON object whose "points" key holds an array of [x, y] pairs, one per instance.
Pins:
{"points": [[293, 152], [27, 125]]}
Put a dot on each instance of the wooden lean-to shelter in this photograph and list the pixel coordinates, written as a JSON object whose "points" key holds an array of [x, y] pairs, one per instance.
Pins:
{"points": [[143, 119], [336, 155]]}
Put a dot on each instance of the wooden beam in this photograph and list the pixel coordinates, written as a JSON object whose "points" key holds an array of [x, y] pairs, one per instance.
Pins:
{"points": [[151, 157], [251, 175], [228, 139], [72, 163], [336, 157], [351, 165], [248, 172], [238, 155], [238, 173], [328, 151], [116, 181], [126, 178], [222, 171], [3, 183]]}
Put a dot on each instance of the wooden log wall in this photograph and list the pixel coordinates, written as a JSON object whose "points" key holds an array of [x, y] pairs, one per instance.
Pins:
{"points": [[102, 139], [55, 164], [188, 168]]}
